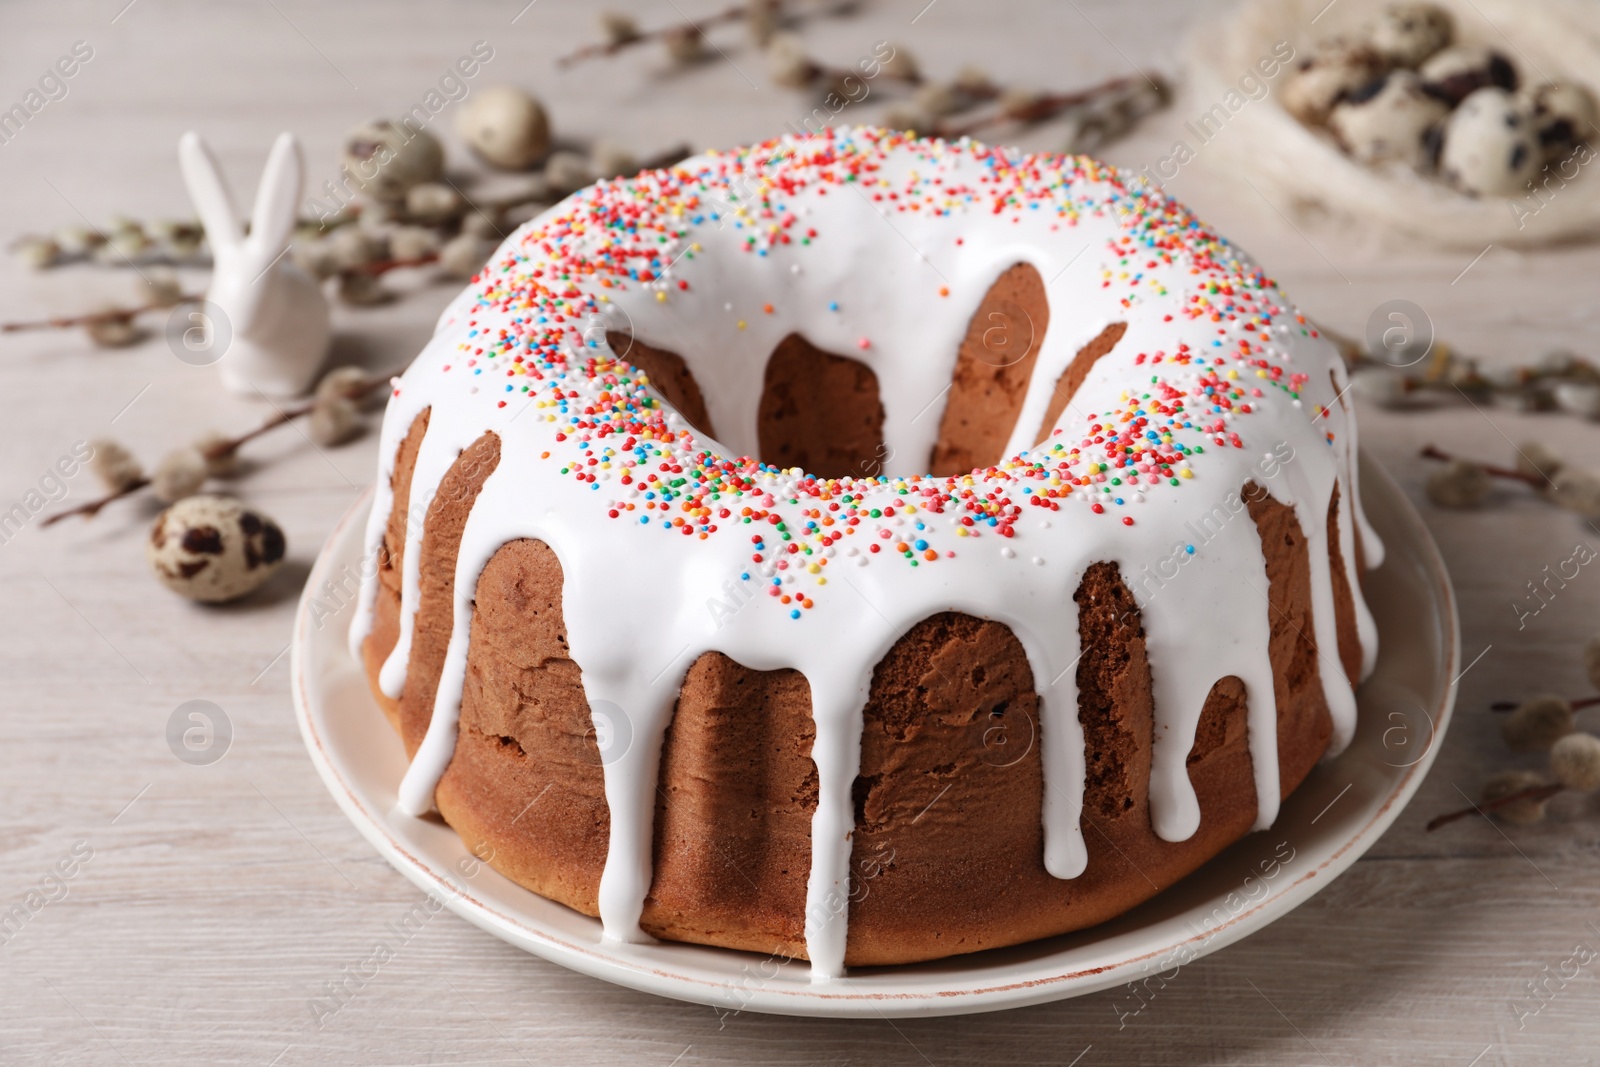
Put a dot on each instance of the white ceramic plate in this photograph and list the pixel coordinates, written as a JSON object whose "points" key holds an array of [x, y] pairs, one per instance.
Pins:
{"points": [[1333, 818]]}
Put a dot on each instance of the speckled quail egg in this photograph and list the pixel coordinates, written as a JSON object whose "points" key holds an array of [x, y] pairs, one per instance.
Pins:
{"points": [[1490, 147], [1564, 115], [1319, 81], [1456, 73], [1390, 122], [213, 548], [385, 160], [506, 126], [1407, 34]]}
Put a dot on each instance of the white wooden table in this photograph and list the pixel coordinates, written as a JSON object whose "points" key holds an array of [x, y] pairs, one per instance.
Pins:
{"points": [[217, 901]]}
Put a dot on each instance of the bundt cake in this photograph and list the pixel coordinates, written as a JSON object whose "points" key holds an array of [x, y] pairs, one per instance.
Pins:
{"points": [[865, 548]]}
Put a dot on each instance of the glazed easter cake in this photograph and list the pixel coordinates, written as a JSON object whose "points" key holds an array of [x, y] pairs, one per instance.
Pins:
{"points": [[866, 549]]}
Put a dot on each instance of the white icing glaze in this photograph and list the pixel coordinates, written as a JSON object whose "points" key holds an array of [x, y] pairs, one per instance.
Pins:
{"points": [[641, 604]]}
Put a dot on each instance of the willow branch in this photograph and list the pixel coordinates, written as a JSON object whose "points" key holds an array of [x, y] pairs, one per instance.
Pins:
{"points": [[1576, 705], [612, 47], [1534, 792], [96, 317], [1046, 106], [1538, 481], [92, 508], [220, 450]]}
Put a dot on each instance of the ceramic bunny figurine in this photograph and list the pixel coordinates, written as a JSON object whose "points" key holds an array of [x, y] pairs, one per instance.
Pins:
{"points": [[275, 329]]}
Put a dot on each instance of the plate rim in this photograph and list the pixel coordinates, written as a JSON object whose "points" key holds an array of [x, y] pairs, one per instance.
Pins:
{"points": [[840, 999]]}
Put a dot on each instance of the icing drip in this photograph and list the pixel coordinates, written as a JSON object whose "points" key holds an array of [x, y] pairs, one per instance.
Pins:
{"points": [[1061, 754], [837, 706], [1216, 383], [1183, 669], [1353, 525]]}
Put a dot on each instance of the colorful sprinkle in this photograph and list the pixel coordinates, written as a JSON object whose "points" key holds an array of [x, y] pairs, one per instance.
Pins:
{"points": [[638, 235]]}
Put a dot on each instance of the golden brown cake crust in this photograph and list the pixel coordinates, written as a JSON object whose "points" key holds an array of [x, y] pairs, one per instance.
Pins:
{"points": [[948, 851], [1344, 603], [386, 609], [441, 540], [525, 788], [947, 854]]}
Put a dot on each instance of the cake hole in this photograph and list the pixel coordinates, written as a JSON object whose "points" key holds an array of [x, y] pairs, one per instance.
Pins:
{"points": [[1076, 371], [820, 412], [993, 368], [510, 744], [669, 375]]}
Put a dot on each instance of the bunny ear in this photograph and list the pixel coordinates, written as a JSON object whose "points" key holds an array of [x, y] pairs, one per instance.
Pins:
{"points": [[207, 190], [278, 198]]}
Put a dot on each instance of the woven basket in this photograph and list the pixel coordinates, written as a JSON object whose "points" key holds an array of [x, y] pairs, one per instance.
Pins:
{"points": [[1302, 171]]}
